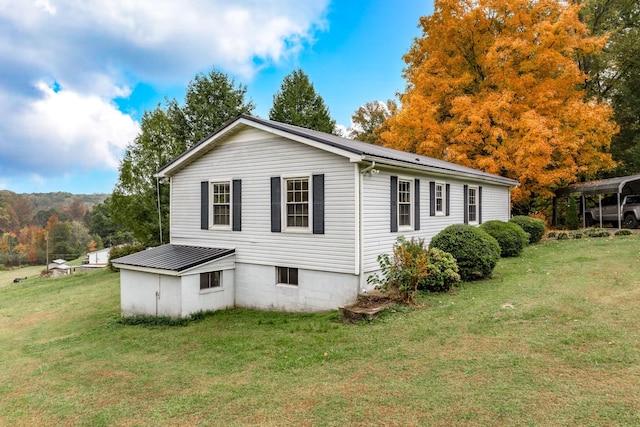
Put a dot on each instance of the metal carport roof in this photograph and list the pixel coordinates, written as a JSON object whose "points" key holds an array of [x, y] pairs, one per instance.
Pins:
{"points": [[623, 184]]}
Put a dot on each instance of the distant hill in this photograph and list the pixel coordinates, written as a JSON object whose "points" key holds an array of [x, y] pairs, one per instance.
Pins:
{"points": [[61, 200], [19, 210]]}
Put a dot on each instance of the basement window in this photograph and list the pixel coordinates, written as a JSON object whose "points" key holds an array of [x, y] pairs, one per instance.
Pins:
{"points": [[287, 276]]}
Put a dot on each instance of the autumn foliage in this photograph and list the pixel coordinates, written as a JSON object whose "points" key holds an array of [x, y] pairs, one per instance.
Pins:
{"points": [[494, 84]]}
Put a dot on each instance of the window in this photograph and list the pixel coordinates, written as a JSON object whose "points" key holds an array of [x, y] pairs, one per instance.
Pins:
{"points": [[287, 275], [212, 279], [472, 200], [439, 198], [221, 203], [404, 203], [297, 202]]}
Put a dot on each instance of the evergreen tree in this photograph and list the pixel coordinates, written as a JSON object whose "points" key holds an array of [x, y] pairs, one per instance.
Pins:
{"points": [[211, 100], [297, 103]]}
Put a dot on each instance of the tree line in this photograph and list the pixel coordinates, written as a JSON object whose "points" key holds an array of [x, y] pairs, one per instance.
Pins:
{"points": [[542, 91], [546, 92], [66, 225]]}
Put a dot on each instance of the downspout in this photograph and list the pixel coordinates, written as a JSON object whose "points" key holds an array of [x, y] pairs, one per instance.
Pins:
{"points": [[368, 168], [359, 228]]}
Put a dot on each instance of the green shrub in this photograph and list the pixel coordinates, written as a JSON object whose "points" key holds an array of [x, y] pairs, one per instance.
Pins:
{"points": [[576, 234], [120, 251], [597, 232], [563, 235], [510, 236], [573, 220], [552, 235], [442, 271], [413, 266], [475, 251], [624, 232], [535, 227]]}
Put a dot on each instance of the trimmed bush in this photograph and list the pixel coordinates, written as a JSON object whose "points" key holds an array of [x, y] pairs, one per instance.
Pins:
{"points": [[535, 227], [120, 251], [576, 234], [552, 235], [597, 232], [624, 232], [412, 266], [475, 251], [563, 235], [510, 236], [442, 270]]}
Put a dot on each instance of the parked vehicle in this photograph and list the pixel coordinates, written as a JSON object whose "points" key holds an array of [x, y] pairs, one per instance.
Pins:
{"points": [[629, 211]]}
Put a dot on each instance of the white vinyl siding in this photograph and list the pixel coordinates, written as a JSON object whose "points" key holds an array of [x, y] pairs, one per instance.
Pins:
{"points": [[255, 156], [376, 238]]}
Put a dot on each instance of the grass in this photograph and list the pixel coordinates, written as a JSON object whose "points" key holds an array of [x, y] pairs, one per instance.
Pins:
{"points": [[551, 339]]}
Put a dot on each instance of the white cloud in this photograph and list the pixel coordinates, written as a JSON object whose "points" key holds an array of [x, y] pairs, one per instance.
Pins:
{"points": [[65, 130], [95, 50]]}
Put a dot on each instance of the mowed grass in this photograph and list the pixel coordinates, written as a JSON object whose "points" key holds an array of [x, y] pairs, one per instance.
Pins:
{"points": [[553, 339]]}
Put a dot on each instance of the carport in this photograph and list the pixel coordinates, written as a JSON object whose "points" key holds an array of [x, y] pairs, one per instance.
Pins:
{"points": [[621, 186]]}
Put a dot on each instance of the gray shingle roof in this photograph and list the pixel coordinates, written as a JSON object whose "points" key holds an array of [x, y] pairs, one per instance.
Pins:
{"points": [[173, 257], [362, 149]]}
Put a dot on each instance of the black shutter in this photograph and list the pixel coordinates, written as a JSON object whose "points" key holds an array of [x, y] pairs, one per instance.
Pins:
{"points": [[448, 205], [466, 204], [394, 204], [237, 204], [479, 205], [318, 204], [416, 214], [432, 198], [276, 218], [204, 205]]}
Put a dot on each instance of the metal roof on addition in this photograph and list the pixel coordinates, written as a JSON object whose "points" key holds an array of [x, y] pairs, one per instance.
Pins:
{"points": [[173, 257]]}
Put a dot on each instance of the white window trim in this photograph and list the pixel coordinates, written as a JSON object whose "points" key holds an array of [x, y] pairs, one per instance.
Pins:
{"points": [[476, 189], [213, 226], [288, 285], [442, 212], [213, 289], [412, 195], [283, 203]]}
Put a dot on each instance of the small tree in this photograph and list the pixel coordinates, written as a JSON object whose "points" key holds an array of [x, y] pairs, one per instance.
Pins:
{"points": [[573, 220]]}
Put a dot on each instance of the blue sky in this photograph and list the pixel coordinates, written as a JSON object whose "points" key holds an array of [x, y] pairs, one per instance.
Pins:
{"points": [[77, 76]]}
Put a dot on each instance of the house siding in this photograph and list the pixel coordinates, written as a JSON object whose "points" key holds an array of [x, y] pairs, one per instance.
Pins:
{"points": [[376, 211], [254, 157], [316, 290]]}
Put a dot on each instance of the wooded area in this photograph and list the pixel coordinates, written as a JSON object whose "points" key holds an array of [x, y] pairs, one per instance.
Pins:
{"points": [[73, 223]]}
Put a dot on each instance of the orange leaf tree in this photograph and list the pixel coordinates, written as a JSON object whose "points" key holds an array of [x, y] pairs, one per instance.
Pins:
{"points": [[495, 85]]}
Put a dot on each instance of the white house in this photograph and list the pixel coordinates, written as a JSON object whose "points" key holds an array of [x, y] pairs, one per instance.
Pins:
{"points": [[277, 217]]}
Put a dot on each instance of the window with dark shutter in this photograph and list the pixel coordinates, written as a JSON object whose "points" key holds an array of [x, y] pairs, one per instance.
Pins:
{"points": [[276, 218], [416, 205], [318, 204], [394, 204], [236, 199], [204, 205]]}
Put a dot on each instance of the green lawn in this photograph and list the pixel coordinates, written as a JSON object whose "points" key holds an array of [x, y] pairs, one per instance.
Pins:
{"points": [[553, 339]]}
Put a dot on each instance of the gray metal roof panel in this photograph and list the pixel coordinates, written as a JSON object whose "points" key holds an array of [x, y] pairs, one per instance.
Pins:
{"points": [[173, 257], [360, 148], [604, 186]]}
